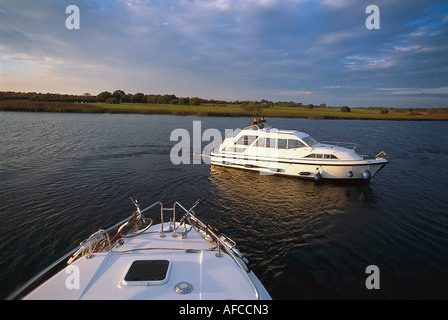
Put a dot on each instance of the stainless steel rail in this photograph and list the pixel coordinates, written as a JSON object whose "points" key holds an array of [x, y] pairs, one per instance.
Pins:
{"points": [[189, 213], [64, 257]]}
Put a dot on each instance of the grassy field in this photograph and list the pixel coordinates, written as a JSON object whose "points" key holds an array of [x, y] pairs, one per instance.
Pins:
{"points": [[223, 110], [275, 112]]}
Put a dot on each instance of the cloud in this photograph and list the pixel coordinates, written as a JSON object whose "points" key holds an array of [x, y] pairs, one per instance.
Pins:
{"points": [[338, 3], [337, 87], [227, 49], [294, 93], [23, 57], [361, 62], [415, 91]]}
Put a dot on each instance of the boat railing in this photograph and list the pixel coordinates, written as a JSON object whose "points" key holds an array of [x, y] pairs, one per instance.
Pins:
{"points": [[348, 145], [381, 155], [86, 246], [223, 243], [234, 133], [216, 146], [90, 246], [259, 126]]}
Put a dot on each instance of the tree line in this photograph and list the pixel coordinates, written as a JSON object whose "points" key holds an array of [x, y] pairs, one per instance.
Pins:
{"points": [[116, 97], [119, 96]]}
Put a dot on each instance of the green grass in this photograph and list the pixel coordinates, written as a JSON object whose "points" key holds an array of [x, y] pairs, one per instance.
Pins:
{"points": [[148, 108], [222, 110], [274, 112]]}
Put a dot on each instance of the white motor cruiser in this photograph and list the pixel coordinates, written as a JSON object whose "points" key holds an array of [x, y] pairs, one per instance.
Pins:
{"points": [[135, 259], [289, 152]]}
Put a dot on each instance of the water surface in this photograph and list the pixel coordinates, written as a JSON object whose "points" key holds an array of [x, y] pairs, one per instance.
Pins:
{"points": [[63, 176]]}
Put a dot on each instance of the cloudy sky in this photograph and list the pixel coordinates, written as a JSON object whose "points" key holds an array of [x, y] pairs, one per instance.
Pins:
{"points": [[310, 51]]}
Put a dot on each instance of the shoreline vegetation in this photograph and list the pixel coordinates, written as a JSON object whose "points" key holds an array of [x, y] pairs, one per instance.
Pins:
{"points": [[119, 102]]}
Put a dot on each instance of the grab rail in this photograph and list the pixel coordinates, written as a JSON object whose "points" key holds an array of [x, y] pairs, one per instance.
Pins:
{"points": [[230, 250], [64, 257], [339, 143], [137, 215]]}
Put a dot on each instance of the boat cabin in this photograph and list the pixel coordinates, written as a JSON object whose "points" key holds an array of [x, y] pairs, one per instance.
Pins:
{"points": [[294, 153], [271, 142], [257, 139]]}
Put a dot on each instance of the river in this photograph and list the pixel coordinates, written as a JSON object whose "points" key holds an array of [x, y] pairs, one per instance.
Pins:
{"points": [[63, 176]]}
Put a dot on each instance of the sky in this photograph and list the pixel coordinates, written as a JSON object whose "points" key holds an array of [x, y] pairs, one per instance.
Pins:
{"points": [[309, 51]]}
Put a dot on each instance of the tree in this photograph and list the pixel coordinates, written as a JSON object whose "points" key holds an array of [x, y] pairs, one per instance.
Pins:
{"points": [[151, 98], [113, 100], [167, 99], [119, 95], [184, 101], [103, 96], [138, 98], [195, 101], [125, 98], [252, 107]]}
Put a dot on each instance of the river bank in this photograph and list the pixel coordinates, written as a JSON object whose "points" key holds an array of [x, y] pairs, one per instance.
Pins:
{"points": [[232, 110]]}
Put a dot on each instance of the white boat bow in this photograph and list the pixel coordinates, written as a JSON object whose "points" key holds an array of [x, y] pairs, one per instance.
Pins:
{"points": [[135, 259]]}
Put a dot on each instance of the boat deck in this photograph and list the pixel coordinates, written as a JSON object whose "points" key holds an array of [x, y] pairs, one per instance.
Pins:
{"points": [[194, 272]]}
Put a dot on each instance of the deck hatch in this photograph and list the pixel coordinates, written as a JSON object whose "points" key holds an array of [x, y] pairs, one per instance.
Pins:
{"points": [[147, 272]]}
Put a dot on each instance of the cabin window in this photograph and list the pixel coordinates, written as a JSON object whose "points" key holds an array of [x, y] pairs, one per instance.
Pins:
{"points": [[294, 144], [309, 140], [261, 143], [282, 143], [279, 143], [246, 140], [320, 156], [266, 143], [271, 143]]}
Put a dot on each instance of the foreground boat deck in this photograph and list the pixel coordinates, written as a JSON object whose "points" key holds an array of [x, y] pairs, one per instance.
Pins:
{"points": [[193, 271]]}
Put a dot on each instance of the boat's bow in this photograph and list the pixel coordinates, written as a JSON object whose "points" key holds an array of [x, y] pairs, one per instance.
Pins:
{"points": [[167, 261]]}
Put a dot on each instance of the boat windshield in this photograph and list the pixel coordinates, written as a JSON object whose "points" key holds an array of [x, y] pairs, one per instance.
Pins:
{"points": [[309, 140], [259, 126]]}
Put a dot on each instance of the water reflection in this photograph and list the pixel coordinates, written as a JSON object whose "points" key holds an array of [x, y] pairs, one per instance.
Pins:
{"points": [[283, 195], [271, 217]]}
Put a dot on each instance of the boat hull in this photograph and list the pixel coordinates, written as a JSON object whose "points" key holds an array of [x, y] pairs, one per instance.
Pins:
{"points": [[313, 169]]}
